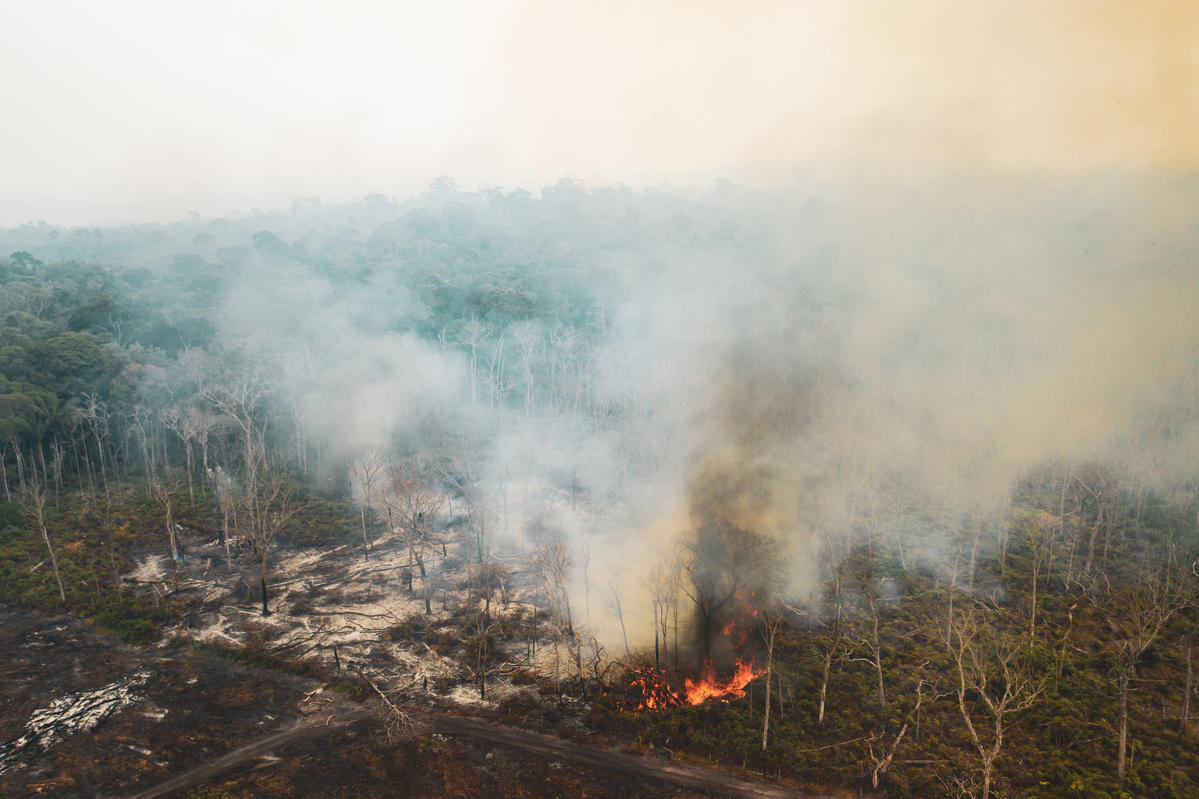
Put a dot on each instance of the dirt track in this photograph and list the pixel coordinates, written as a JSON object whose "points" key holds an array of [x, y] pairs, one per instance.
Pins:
{"points": [[683, 776], [256, 748]]}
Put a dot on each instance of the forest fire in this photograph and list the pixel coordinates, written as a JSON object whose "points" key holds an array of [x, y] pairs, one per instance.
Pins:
{"points": [[648, 690], [708, 687], [738, 628]]}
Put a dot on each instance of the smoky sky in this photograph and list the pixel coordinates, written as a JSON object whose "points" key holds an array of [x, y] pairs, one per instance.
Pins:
{"points": [[138, 111]]}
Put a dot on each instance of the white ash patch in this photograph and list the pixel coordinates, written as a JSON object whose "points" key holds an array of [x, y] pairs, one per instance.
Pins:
{"points": [[73, 713], [152, 568], [467, 694]]}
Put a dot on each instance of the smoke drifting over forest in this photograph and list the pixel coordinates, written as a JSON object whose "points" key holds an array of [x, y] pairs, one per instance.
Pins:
{"points": [[829, 365]]}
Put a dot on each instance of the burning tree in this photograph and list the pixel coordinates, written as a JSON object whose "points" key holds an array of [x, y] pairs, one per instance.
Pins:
{"points": [[729, 567], [731, 571]]}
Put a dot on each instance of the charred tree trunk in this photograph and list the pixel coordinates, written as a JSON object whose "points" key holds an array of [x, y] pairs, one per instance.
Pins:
{"points": [[262, 581]]}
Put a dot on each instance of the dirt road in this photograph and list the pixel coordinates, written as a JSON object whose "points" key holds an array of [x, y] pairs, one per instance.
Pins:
{"points": [[694, 778], [679, 775], [256, 748]]}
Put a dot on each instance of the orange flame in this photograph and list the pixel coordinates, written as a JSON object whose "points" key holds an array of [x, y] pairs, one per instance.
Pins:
{"points": [[647, 690], [739, 626], [708, 687]]}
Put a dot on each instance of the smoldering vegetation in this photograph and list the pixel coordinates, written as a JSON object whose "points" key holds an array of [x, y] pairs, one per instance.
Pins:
{"points": [[824, 366]]}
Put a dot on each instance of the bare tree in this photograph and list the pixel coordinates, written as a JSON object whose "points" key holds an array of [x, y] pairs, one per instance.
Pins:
{"points": [[484, 630], [397, 721], [1188, 688], [458, 468], [173, 418], [833, 644], [551, 562], [239, 394], [413, 505], [33, 497], [367, 468], [487, 579], [770, 619], [267, 509], [528, 338], [473, 333], [1136, 612], [95, 416], [996, 677], [163, 486]]}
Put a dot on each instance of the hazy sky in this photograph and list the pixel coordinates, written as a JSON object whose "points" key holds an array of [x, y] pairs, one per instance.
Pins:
{"points": [[132, 110]]}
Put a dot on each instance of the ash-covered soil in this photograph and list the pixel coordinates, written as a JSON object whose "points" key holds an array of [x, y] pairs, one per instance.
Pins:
{"points": [[82, 715], [154, 715]]}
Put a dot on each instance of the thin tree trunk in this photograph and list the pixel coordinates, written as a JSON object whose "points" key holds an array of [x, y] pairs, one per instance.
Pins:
{"points": [[1122, 754], [620, 615], [262, 580], [1186, 696], [53, 561], [769, 669], [4, 473], [828, 665], [366, 544]]}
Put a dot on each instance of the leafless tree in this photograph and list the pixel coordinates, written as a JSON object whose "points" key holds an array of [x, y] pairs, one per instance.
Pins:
{"points": [[833, 644], [528, 339], [95, 416], [239, 393], [173, 418], [1136, 611], [163, 486], [267, 510], [487, 579], [484, 629], [398, 723], [473, 333], [413, 504], [770, 619], [996, 677], [550, 562], [33, 497], [869, 637], [368, 468]]}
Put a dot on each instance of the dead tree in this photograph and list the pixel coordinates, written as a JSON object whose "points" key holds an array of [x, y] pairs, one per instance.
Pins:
{"points": [[769, 621], [485, 580], [996, 677], [267, 509], [368, 469], [413, 504], [551, 562], [33, 497], [397, 721], [834, 644], [163, 486], [1136, 613]]}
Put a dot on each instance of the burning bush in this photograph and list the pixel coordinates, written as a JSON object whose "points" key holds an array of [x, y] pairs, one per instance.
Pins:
{"points": [[647, 689]]}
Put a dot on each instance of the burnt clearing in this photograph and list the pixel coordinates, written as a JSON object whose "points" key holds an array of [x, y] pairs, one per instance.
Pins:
{"points": [[188, 722]]}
